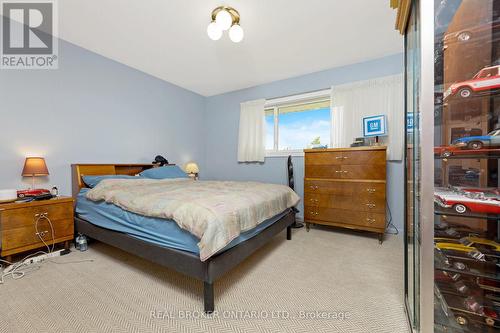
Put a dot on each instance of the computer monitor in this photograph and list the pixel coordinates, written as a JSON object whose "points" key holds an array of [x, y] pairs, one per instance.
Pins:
{"points": [[374, 126]]}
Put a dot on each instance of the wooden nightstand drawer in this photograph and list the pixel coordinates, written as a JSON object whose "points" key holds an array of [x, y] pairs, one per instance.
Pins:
{"points": [[25, 217], [18, 232], [25, 236]]}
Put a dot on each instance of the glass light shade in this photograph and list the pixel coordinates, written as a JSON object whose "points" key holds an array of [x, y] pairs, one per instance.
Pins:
{"points": [[224, 20], [213, 31], [192, 167], [236, 33]]}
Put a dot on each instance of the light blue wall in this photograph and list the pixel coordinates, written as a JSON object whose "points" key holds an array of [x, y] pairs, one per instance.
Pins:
{"points": [[222, 121], [93, 109]]}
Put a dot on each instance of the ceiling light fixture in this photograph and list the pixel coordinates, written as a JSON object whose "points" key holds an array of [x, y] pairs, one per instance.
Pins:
{"points": [[225, 18]]}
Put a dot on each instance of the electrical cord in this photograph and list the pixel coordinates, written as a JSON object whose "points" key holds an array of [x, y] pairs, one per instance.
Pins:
{"points": [[20, 269], [15, 272], [40, 217], [389, 222]]}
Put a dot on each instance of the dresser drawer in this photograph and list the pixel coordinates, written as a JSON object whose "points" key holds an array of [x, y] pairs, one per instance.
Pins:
{"points": [[364, 158], [346, 158], [368, 172], [26, 235], [323, 171], [344, 216], [342, 188], [362, 203], [323, 158], [361, 172], [25, 217]]}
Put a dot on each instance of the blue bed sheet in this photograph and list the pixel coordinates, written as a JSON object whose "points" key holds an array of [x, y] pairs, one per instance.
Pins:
{"points": [[158, 231]]}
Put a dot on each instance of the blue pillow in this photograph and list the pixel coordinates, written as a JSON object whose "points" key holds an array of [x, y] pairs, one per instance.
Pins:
{"points": [[168, 171], [92, 181]]}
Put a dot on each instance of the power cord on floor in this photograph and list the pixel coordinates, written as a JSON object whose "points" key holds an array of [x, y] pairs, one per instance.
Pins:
{"points": [[21, 268], [389, 223]]}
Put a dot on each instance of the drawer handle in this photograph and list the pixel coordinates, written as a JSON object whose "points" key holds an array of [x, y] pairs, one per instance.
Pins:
{"points": [[370, 205], [339, 157], [314, 200], [371, 190], [42, 215], [313, 187], [345, 157], [370, 220], [337, 171], [314, 213], [42, 233], [345, 171]]}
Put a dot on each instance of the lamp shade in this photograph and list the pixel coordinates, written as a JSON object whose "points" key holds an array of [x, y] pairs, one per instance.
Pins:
{"points": [[35, 166], [192, 167]]}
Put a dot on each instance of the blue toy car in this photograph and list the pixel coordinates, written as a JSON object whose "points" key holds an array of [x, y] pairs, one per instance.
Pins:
{"points": [[492, 139]]}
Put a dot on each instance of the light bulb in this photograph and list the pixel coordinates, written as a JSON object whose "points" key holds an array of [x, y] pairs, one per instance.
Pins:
{"points": [[236, 33], [224, 20], [213, 31]]}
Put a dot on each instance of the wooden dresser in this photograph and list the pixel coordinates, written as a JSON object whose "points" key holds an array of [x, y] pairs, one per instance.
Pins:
{"points": [[17, 225], [345, 187]]}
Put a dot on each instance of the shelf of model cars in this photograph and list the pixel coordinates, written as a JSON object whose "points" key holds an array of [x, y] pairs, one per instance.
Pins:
{"points": [[465, 155], [475, 146], [458, 265], [464, 305], [444, 318], [450, 212], [446, 229], [468, 201]]}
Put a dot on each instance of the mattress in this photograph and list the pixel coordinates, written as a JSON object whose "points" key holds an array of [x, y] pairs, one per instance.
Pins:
{"points": [[162, 232]]}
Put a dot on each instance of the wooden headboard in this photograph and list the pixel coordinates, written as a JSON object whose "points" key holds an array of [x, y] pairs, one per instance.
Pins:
{"points": [[80, 170]]}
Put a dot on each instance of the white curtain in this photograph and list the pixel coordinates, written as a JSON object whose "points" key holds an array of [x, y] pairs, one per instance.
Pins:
{"points": [[354, 101], [252, 135]]}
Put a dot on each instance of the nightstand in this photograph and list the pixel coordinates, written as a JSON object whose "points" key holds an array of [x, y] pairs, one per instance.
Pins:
{"points": [[17, 225]]}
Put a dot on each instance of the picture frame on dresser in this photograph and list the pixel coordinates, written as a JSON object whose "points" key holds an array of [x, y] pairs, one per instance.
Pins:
{"points": [[346, 187]]}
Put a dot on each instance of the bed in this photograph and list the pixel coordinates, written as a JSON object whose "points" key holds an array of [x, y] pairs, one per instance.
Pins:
{"points": [[163, 242]]}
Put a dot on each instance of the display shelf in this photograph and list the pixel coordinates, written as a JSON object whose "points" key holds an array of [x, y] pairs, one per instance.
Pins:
{"points": [[444, 319], [450, 212], [469, 154], [469, 272]]}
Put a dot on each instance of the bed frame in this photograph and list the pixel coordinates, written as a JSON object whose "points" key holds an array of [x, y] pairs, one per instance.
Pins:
{"points": [[178, 260]]}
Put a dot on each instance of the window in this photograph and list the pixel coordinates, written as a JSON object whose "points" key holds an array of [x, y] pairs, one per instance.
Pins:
{"points": [[297, 122]]}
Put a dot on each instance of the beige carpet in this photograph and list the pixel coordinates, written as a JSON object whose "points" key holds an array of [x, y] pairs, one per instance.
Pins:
{"points": [[320, 273]]}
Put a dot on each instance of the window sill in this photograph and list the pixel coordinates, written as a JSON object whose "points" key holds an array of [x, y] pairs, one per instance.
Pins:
{"points": [[285, 153]]}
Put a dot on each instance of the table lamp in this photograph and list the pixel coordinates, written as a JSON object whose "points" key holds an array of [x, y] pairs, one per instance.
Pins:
{"points": [[35, 167], [192, 170]]}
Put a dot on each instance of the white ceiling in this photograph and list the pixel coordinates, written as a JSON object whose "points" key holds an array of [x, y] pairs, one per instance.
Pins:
{"points": [[283, 38]]}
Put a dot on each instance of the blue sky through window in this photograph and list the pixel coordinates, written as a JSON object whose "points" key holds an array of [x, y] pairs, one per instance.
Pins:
{"points": [[298, 129]]}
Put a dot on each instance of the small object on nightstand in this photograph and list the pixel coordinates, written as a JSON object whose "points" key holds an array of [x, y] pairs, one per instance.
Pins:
{"points": [[18, 223], [192, 170], [8, 196], [54, 191]]}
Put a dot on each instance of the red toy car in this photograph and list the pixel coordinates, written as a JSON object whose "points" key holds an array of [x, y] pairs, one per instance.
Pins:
{"points": [[31, 193], [487, 78], [463, 200]]}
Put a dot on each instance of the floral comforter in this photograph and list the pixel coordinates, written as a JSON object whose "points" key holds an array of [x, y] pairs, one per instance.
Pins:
{"points": [[214, 211]]}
